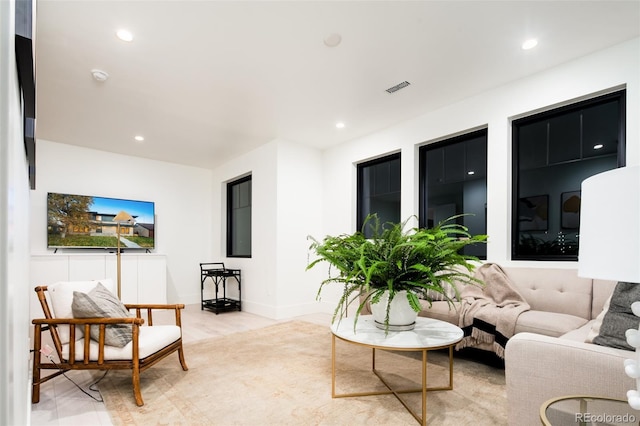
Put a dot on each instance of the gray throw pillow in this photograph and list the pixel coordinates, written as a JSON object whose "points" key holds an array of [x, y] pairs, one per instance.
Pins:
{"points": [[619, 317], [101, 303]]}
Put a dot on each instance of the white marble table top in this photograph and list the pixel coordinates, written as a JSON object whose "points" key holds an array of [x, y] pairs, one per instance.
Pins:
{"points": [[428, 334]]}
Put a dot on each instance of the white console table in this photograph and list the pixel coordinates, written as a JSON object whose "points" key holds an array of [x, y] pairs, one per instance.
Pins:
{"points": [[143, 275]]}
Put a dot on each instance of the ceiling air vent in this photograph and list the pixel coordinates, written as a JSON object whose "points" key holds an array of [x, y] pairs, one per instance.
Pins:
{"points": [[398, 87]]}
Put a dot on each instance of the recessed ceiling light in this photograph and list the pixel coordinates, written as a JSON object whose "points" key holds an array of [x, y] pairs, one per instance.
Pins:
{"points": [[529, 44], [124, 35], [471, 172], [332, 40], [340, 125], [139, 138], [99, 75], [598, 146]]}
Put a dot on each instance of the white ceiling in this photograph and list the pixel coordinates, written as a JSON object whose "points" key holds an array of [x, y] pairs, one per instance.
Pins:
{"points": [[205, 81]]}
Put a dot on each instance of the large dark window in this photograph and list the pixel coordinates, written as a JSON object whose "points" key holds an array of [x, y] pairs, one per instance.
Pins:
{"points": [[239, 218], [553, 152], [379, 189], [453, 181]]}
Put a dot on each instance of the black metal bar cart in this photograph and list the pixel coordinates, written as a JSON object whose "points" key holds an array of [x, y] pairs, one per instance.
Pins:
{"points": [[219, 274]]}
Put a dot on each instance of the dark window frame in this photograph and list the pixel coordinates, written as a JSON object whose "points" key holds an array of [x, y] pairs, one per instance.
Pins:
{"points": [[230, 223], [423, 173], [360, 216], [619, 95]]}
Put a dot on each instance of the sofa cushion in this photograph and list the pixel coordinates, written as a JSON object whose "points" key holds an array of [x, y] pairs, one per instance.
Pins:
{"points": [[619, 317], [548, 323], [442, 311], [579, 334], [602, 290], [437, 296], [597, 323], [101, 303], [449, 290], [554, 290]]}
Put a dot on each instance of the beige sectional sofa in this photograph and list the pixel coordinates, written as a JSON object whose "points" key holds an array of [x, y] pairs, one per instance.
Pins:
{"points": [[559, 300], [548, 356], [539, 367]]}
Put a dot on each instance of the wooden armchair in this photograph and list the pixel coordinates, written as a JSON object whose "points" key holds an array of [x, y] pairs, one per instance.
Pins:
{"points": [[74, 351]]}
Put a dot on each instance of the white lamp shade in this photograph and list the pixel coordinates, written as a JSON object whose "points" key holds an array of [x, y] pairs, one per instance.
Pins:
{"points": [[610, 226]]}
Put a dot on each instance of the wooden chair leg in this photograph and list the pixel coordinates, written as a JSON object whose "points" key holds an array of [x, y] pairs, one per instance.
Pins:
{"points": [[136, 386], [37, 343], [183, 363]]}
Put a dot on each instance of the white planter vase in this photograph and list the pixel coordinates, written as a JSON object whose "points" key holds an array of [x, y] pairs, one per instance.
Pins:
{"points": [[401, 315]]}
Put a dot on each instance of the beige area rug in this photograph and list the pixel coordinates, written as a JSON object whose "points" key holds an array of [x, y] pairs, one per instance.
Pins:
{"points": [[281, 375]]}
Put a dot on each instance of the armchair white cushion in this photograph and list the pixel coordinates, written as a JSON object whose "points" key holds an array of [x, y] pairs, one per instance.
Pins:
{"points": [[150, 341]]}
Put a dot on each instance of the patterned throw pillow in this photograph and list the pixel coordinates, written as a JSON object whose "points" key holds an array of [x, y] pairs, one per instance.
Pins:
{"points": [[101, 303], [619, 317]]}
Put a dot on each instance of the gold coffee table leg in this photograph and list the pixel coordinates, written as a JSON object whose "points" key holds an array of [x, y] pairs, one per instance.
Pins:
{"points": [[333, 365], [428, 334], [424, 388]]}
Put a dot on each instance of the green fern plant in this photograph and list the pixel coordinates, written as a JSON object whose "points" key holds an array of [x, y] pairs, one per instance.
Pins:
{"points": [[418, 260]]}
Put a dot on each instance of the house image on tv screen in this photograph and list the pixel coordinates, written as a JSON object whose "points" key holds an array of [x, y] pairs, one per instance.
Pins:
{"points": [[80, 221]]}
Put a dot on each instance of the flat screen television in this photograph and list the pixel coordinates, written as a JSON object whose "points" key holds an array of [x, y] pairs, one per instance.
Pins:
{"points": [[82, 221]]}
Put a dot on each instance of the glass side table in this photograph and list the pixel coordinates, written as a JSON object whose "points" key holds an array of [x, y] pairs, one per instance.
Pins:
{"points": [[584, 410]]}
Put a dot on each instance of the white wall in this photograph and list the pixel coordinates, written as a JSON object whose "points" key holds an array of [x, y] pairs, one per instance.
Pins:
{"points": [[14, 250], [181, 195], [259, 271], [604, 71], [286, 181], [299, 214]]}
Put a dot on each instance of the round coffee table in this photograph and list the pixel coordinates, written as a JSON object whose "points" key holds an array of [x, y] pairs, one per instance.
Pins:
{"points": [[585, 410], [428, 334]]}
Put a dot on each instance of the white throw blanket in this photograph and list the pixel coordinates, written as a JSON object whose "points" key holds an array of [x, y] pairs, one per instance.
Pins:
{"points": [[488, 313]]}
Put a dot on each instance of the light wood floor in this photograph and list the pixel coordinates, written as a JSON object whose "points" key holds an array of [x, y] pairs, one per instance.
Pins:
{"points": [[62, 403]]}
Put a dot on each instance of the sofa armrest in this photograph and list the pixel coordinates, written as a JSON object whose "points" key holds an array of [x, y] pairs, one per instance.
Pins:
{"points": [[538, 368]]}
